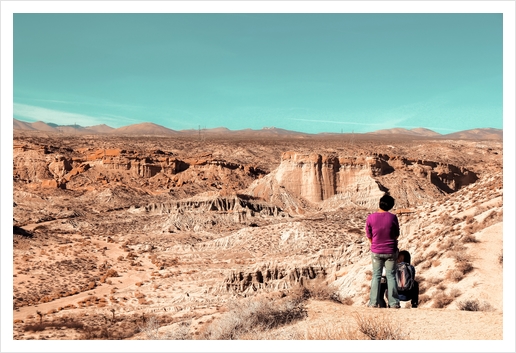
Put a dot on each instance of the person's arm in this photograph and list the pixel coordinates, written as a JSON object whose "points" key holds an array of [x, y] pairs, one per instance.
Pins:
{"points": [[369, 231], [396, 227]]}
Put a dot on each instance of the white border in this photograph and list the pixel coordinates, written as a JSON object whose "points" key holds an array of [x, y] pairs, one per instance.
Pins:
{"points": [[8, 8]]}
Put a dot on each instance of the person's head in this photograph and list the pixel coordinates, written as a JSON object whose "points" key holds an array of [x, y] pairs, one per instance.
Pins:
{"points": [[386, 202], [404, 256]]}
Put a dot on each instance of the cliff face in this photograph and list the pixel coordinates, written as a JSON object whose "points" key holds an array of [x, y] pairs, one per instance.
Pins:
{"points": [[360, 180]]}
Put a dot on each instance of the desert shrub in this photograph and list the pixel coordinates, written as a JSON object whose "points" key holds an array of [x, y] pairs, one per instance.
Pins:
{"points": [[455, 292], [441, 286], [474, 305], [423, 298], [446, 244], [151, 330], [65, 323], [500, 258], [320, 290], [441, 300], [426, 265], [250, 315], [468, 219], [416, 261], [455, 275], [460, 256], [469, 238], [379, 327], [431, 254], [434, 280], [423, 285], [368, 327], [436, 263], [465, 266]]}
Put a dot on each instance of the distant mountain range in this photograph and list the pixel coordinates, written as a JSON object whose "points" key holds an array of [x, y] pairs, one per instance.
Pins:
{"points": [[158, 130]]}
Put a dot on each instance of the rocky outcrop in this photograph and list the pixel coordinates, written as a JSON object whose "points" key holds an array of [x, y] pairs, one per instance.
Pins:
{"points": [[360, 180], [217, 204], [202, 213], [273, 276], [35, 163]]}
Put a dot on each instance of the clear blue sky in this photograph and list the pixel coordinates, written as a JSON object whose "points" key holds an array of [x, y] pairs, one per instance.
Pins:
{"points": [[304, 72]]}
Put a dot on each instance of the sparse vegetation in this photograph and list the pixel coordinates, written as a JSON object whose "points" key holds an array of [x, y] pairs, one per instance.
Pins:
{"points": [[379, 327], [180, 273], [251, 315], [474, 305], [441, 300]]}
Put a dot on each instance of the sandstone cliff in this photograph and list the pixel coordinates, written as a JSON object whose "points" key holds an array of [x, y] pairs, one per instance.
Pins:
{"points": [[359, 180]]}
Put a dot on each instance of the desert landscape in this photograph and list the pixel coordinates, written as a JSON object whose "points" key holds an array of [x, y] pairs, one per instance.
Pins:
{"points": [[147, 233]]}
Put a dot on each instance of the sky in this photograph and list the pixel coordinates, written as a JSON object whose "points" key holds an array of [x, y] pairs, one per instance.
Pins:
{"points": [[307, 72]]}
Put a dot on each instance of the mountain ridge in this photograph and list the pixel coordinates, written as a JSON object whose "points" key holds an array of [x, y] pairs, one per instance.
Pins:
{"points": [[148, 128]]}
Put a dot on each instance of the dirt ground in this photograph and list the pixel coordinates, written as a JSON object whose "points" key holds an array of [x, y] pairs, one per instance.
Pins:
{"points": [[107, 253]]}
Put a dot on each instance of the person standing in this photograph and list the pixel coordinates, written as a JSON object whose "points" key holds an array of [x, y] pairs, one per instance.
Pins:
{"points": [[382, 231]]}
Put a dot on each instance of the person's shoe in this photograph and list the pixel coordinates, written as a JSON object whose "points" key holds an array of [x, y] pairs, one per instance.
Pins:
{"points": [[397, 306], [373, 306], [414, 306]]}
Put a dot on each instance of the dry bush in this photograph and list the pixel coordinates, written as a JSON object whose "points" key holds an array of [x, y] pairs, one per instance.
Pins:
{"points": [[441, 300], [464, 267], [416, 261], [434, 280], [455, 292], [318, 289], [436, 263], [474, 305], [423, 299], [455, 275], [151, 330], [379, 327], [470, 219], [441, 286], [447, 244], [249, 315], [368, 327], [460, 256], [328, 332], [72, 324], [431, 254], [469, 238], [426, 265]]}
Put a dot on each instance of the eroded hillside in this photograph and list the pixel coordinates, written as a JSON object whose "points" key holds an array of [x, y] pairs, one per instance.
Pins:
{"points": [[114, 227]]}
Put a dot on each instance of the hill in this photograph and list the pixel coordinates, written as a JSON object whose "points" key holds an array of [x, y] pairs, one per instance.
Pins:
{"points": [[151, 129]]}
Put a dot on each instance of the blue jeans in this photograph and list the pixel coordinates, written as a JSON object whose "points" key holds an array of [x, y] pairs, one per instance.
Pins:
{"points": [[379, 261]]}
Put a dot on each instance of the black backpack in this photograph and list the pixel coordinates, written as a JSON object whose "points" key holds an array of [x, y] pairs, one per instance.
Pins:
{"points": [[405, 274]]}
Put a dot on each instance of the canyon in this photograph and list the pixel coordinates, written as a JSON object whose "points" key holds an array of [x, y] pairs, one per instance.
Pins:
{"points": [[179, 226]]}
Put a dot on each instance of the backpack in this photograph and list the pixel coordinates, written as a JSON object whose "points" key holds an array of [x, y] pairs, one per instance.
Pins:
{"points": [[405, 274]]}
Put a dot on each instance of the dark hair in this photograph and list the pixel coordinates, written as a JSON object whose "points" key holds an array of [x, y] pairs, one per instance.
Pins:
{"points": [[406, 256], [386, 202]]}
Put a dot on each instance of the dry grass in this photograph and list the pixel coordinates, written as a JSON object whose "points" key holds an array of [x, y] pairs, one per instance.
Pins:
{"points": [[379, 327], [367, 327], [455, 275], [441, 300], [248, 316], [320, 290]]}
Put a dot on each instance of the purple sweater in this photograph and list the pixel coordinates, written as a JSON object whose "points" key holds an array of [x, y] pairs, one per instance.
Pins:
{"points": [[383, 228]]}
